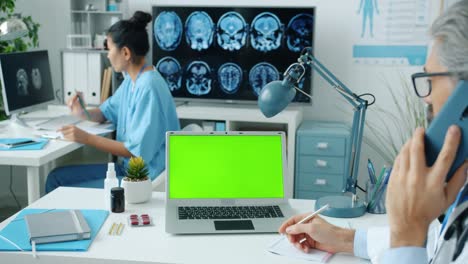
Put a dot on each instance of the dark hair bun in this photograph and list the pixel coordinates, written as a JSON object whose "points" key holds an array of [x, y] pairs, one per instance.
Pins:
{"points": [[140, 19]]}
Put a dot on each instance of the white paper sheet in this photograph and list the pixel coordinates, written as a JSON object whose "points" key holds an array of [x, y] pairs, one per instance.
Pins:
{"points": [[283, 247], [95, 130]]}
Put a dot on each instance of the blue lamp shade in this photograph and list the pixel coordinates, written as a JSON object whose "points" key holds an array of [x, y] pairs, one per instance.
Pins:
{"points": [[275, 97]]}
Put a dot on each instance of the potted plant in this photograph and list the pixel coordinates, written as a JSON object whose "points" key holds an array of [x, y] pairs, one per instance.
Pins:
{"points": [[137, 183]]}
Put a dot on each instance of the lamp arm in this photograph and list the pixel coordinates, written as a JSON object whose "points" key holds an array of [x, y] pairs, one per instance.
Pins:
{"points": [[360, 106]]}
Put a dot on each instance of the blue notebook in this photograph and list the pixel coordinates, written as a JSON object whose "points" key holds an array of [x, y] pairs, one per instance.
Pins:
{"points": [[17, 232], [38, 145]]}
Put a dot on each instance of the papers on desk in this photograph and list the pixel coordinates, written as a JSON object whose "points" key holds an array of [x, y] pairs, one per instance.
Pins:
{"points": [[283, 247], [95, 130]]}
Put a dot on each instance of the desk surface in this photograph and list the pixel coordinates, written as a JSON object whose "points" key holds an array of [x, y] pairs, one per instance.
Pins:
{"points": [[153, 245], [53, 150]]}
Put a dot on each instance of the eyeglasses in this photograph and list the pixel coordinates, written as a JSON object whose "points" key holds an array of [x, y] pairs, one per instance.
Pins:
{"points": [[422, 82]]}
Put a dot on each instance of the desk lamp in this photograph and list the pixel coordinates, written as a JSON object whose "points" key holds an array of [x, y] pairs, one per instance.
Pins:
{"points": [[12, 28], [276, 95]]}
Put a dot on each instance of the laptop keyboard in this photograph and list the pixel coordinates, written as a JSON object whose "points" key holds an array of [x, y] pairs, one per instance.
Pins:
{"points": [[229, 212]]}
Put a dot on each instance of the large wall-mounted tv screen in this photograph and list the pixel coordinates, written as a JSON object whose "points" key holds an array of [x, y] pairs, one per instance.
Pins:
{"points": [[229, 54]]}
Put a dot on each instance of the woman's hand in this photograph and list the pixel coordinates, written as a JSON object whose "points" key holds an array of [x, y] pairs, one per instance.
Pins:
{"points": [[318, 234], [418, 194], [73, 133], [75, 106]]}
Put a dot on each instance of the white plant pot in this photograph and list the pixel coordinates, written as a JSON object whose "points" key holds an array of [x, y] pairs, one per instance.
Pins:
{"points": [[137, 192]]}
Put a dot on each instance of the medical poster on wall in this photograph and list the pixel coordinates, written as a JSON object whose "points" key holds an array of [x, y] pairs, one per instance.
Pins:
{"points": [[391, 32]]}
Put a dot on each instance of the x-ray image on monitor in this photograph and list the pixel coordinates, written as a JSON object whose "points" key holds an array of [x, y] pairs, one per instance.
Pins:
{"points": [[198, 78], [171, 71], [299, 32], [266, 32], [36, 78], [168, 30], [199, 30], [230, 77], [26, 81], [22, 82], [229, 54], [232, 31], [261, 74]]}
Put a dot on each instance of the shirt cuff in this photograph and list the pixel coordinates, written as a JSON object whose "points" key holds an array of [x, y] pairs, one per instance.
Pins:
{"points": [[405, 255], [360, 244]]}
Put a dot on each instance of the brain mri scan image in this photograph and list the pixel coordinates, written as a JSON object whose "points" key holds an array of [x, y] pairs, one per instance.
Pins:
{"points": [[299, 32], [36, 78], [168, 30], [266, 32], [261, 74], [230, 77], [22, 82], [198, 78], [199, 30], [170, 70], [232, 31]]}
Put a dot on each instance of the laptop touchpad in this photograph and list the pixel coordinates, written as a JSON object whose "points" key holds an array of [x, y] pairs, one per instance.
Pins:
{"points": [[234, 225]]}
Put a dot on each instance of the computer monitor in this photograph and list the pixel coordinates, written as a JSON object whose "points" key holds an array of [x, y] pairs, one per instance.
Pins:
{"points": [[26, 81], [229, 54]]}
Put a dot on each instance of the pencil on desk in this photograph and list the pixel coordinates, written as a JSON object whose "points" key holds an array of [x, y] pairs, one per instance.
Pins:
{"points": [[112, 228], [119, 229]]}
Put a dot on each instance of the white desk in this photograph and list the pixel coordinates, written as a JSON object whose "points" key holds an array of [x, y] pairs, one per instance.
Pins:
{"points": [[153, 245], [33, 160]]}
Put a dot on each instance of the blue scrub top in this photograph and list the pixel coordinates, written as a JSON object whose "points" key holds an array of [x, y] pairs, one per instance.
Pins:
{"points": [[142, 115]]}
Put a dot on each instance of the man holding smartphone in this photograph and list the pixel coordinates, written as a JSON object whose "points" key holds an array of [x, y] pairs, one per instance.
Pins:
{"points": [[417, 194]]}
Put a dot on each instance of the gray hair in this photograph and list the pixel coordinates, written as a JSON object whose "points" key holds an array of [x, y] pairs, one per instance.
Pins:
{"points": [[451, 31]]}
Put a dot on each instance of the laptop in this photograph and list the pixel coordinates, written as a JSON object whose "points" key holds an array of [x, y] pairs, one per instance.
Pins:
{"points": [[225, 182]]}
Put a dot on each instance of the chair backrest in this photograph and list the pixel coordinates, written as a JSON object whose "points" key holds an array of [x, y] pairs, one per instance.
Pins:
{"points": [[159, 183]]}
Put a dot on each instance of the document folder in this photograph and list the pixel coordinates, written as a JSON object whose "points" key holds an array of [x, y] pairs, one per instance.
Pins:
{"points": [[14, 237]]}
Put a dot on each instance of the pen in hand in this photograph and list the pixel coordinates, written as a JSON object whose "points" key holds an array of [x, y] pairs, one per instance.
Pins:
{"points": [[307, 218], [80, 100]]}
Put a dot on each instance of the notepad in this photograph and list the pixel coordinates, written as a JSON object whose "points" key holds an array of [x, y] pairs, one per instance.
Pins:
{"points": [[283, 247], [14, 237], [60, 226]]}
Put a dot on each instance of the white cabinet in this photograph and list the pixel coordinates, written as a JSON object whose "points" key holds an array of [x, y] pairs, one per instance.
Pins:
{"points": [[82, 71], [249, 117]]}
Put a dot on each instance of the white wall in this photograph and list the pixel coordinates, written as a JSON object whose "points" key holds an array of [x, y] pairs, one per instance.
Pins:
{"points": [[333, 47]]}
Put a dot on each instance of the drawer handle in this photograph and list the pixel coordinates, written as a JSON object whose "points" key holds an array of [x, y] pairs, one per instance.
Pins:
{"points": [[322, 145], [321, 163], [320, 182]]}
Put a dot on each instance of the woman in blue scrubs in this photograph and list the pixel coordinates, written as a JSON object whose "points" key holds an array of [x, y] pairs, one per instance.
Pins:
{"points": [[142, 110]]}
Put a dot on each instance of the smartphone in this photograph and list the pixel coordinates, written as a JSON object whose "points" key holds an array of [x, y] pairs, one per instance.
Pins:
{"points": [[453, 112], [18, 143]]}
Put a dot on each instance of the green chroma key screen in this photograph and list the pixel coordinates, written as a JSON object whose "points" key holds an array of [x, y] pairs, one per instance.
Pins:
{"points": [[225, 166]]}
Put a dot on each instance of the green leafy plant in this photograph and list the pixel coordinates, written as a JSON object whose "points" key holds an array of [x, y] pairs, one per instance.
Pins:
{"points": [[393, 128], [20, 44], [136, 170]]}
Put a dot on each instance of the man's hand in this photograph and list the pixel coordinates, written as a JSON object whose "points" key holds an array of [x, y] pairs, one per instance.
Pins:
{"points": [[418, 194], [319, 234]]}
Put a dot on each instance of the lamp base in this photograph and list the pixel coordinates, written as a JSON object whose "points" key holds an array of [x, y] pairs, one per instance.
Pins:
{"points": [[341, 206]]}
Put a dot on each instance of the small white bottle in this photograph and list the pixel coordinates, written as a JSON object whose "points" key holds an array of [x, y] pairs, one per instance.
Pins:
{"points": [[110, 182]]}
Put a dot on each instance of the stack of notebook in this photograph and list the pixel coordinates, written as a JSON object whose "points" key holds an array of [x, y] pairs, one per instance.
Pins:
{"points": [[52, 230], [57, 227]]}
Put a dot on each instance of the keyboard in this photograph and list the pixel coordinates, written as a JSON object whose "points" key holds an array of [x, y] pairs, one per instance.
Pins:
{"points": [[229, 212], [56, 123]]}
